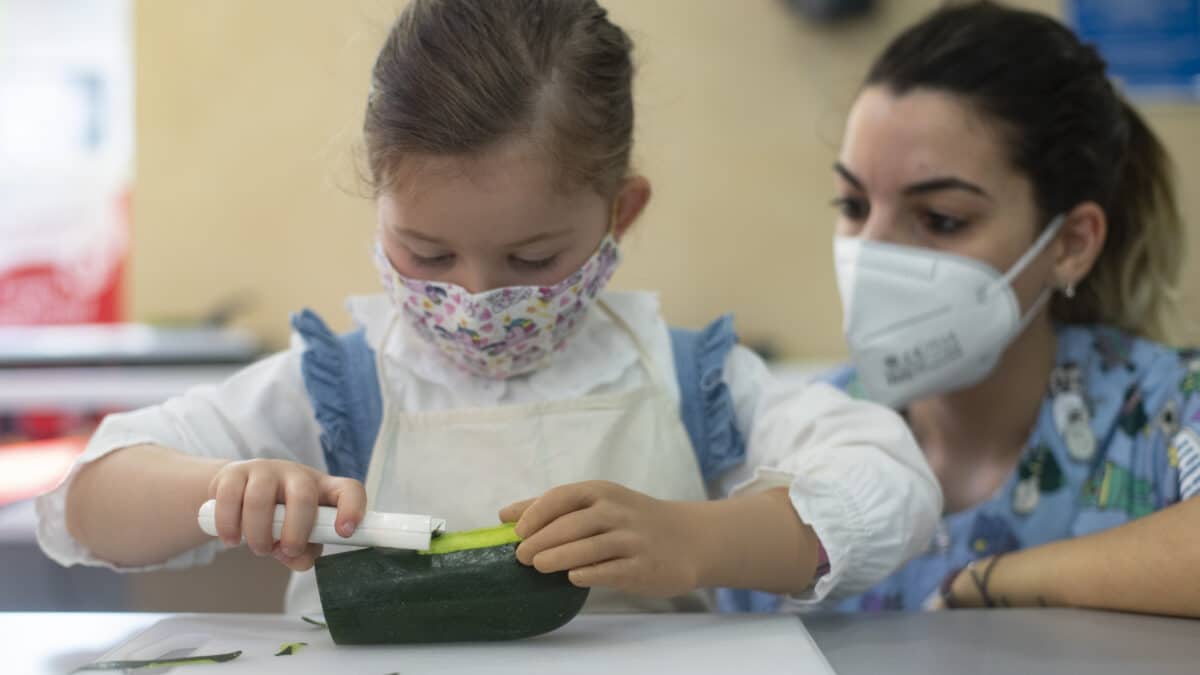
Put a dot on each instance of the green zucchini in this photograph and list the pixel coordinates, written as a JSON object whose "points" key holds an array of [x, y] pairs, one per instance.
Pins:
{"points": [[469, 587]]}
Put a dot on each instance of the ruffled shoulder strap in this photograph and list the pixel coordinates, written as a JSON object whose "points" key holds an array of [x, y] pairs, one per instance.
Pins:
{"points": [[339, 376], [706, 405]]}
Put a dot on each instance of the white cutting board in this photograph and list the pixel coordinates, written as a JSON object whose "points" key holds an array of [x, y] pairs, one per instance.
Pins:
{"points": [[623, 644]]}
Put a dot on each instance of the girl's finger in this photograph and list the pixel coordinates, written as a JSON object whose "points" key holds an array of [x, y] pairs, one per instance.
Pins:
{"points": [[300, 496], [585, 552], [620, 573], [513, 512], [555, 503], [228, 514], [350, 498], [574, 526], [258, 512], [302, 562]]}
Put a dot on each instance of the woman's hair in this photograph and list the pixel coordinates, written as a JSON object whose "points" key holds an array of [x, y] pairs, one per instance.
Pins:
{"points": [[1072, 134], [456, 77]]}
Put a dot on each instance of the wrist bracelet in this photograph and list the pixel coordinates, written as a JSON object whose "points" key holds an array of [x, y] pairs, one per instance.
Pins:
{"points": [[981, 584]]}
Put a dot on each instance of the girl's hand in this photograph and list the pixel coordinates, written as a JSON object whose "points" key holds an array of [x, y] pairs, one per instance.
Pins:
{"points": [[603, 534], [248, 491]]}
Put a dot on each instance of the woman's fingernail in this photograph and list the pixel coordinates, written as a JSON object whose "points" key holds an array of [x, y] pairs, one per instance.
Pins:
{"points": [[348, 529]]}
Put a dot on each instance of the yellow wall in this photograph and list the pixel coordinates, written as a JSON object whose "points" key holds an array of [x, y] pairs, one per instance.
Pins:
{"points": [[247, 114]]}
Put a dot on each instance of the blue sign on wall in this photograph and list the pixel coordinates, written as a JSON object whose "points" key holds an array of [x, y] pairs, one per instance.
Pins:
{"points": [[1152, 46]]}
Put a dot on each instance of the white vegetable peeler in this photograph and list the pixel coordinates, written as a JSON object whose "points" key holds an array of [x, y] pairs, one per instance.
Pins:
{"points": [[383, 530]]}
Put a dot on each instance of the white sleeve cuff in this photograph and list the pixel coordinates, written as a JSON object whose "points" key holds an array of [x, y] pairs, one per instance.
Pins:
{"points": [[855, 475], [868, 523], [58, 544], [828, 513], [261, 411]]}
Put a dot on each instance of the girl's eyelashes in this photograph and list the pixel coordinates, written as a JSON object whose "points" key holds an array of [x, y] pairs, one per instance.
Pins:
{"points": [[538, 264], [443, 260], [447, 259]]}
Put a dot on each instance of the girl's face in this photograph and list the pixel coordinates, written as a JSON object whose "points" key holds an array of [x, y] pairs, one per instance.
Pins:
{"points": [[497, 219], [922, 169]]}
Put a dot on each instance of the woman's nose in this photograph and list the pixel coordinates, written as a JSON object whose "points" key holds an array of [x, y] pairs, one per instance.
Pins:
{"points": [[886, 227]]}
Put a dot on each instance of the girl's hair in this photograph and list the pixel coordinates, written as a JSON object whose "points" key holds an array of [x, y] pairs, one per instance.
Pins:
{"points": [[1072, 134], [456, 77]]}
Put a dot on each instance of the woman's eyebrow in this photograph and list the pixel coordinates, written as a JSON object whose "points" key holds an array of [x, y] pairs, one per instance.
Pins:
{"points": [[945, 183]]}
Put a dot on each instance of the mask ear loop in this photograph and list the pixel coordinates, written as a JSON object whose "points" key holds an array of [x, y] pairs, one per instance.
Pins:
{"points": [[1034, 251], [1039, 245], [383, 263], [611, 232], [613, 214]]}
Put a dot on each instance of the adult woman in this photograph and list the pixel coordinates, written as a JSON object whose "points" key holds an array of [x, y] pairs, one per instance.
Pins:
{"points": [[1007, 248]]}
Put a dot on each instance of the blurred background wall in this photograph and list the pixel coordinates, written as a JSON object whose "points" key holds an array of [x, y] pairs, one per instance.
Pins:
{"points": [[247, 121]]}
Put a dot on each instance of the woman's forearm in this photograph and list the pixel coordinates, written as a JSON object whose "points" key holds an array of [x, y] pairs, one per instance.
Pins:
{"points": [[1147, 566]]}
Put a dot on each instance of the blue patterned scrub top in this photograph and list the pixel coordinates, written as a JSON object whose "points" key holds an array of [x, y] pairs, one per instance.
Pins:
{"points": [[1117, 438]]}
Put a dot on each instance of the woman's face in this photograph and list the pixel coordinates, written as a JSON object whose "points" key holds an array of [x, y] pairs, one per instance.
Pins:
{"points": [[923, 169]]}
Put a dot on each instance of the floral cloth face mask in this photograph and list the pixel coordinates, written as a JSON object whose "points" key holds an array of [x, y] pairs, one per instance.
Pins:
{"points": [[503, 332]]}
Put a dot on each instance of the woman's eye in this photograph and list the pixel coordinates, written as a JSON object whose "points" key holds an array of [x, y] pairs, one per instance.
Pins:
{"points": [[538, 264], [939, 223], [852, 208]]}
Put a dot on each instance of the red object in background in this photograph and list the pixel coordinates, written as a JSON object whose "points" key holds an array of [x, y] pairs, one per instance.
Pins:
{"points": [[41, 293], [36, 295], [29, 469], [43, 425], [40, 425]]}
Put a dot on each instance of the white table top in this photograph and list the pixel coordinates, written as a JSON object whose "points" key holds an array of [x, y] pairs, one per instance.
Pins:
{"points": [[985, 642], [601, 644]]}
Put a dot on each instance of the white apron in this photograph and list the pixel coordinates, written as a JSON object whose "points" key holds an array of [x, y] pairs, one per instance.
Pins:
{"points": [[464, 465]]}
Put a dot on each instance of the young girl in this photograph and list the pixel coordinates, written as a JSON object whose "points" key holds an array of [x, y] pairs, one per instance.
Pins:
{"points": [[496, 370]]}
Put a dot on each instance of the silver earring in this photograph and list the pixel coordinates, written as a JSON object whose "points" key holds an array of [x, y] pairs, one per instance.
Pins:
{"points": [[1069, 291]]}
